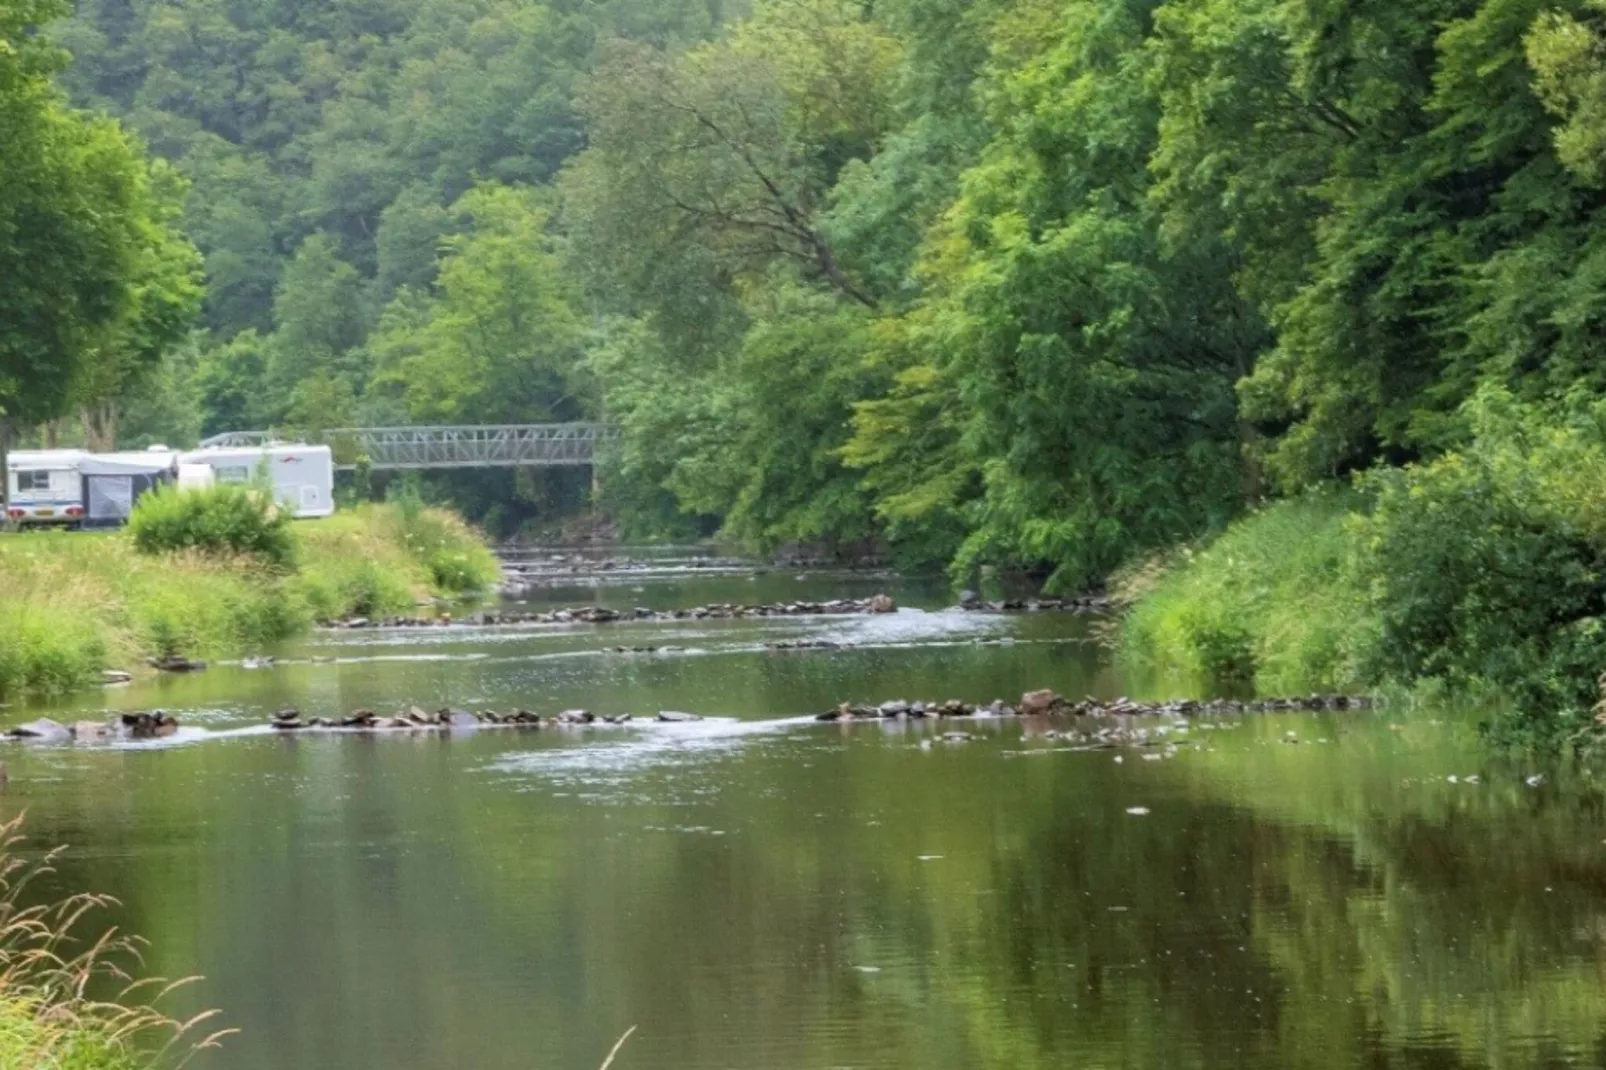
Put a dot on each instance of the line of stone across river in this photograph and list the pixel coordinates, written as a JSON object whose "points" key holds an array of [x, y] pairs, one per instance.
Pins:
{"points": [[1033, 705], [716, 611]]}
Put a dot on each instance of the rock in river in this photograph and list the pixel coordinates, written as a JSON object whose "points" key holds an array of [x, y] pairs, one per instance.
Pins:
{"points": [[44, 730], [175, 663], [674, 717], [1038, 703]]}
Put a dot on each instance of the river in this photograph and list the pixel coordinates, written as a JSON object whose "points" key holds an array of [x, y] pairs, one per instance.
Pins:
{"points": [[762, 892]]}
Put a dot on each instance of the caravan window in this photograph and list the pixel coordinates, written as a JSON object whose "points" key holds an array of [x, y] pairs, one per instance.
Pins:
{"points": [[32, 480], [234, 473]]}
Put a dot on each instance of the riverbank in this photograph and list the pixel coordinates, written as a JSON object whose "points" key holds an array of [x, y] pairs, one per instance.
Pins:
{"points": [[75, 604], [1479, 576]]}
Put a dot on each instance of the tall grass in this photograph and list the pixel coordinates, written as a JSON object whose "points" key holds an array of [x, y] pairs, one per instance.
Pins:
{"points": [[54, 974], [74, 603], [1270, 604]]}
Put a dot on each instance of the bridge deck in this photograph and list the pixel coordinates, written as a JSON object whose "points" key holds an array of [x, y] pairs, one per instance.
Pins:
{"points": [[505, 446]]}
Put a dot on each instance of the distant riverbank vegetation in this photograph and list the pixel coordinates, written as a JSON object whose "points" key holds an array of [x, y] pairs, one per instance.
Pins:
{"points": [[76, 603], [1053, 286]]}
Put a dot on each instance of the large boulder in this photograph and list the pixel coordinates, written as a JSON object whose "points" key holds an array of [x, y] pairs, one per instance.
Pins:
{"points": [[882, 603]]}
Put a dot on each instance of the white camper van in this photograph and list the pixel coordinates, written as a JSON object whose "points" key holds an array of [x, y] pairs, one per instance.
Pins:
{"points": [[44, 486], [302, 477]]}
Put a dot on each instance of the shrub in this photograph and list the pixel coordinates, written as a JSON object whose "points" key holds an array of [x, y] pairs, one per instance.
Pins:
{"points": [[453, 554], [218, 520], [341, 586], [1487, 569]]}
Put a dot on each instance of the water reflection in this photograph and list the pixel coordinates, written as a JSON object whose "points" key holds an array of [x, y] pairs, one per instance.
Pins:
{"points": [[758, 890]]}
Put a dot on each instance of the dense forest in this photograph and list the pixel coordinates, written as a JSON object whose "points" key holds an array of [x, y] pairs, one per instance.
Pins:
{"points": [[1032, 283]]}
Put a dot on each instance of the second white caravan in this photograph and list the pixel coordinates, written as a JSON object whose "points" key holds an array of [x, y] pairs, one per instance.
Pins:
{"points": [[302, 477]]}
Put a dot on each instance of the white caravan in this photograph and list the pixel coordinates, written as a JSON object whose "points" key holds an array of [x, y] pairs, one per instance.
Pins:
{"points": [[45, 486], [302, 477]]}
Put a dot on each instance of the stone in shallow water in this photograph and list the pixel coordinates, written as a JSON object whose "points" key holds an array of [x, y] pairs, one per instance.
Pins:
{"points": [[91, 731], [1037, 703], [44, 730], [675, 717]]}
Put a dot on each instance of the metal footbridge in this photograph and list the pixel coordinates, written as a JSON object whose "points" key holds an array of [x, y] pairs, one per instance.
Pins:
{"points": [[399, 448]]}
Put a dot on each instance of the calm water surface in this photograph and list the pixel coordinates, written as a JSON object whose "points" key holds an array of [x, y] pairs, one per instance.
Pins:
{"points": [[760, 892]]}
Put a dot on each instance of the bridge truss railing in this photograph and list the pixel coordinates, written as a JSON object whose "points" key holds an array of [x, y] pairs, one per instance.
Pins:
{"points": [[488, 446]]}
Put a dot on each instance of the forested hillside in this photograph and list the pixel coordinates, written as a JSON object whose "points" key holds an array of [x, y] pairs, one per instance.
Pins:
{"points": [[1042, 283]]}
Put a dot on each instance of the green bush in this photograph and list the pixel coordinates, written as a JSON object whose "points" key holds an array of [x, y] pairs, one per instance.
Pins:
{"points": [[338, 587], [228, 520], [1486, 569]]}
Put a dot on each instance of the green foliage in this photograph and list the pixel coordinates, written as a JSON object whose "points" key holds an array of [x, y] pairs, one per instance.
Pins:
{"points": [[1487, 569], [1566, 55], [454, 557], [217, 520], [497, 340], [94, 281], [1482, 573], [1273, 603]]}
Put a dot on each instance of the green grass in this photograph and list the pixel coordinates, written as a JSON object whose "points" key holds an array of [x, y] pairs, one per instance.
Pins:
{"points": [[74, 603], [1269, 605]]}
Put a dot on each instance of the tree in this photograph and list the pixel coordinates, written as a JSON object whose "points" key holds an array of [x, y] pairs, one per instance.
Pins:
{"points": [[498, 340], [730, 149], [164, 296], [80, 234]]}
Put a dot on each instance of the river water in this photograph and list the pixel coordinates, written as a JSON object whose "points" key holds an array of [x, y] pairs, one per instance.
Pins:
{"points": [[762, 892]]}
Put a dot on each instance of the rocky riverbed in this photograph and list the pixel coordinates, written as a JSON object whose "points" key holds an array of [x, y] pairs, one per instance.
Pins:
{"points": [[1042, 705], [604, 615], [597, 614]]}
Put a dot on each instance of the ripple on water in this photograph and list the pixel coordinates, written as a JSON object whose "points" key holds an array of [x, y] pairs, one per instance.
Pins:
{"points": [[652, 747]]}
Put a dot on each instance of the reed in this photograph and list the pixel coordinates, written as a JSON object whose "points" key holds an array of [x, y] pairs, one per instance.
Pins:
{"points": [[55, 969]]}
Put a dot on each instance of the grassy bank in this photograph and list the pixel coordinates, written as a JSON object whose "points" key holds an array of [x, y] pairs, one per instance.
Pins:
{"points": [[74, 603], [1271, 604], [1480, 575]]}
